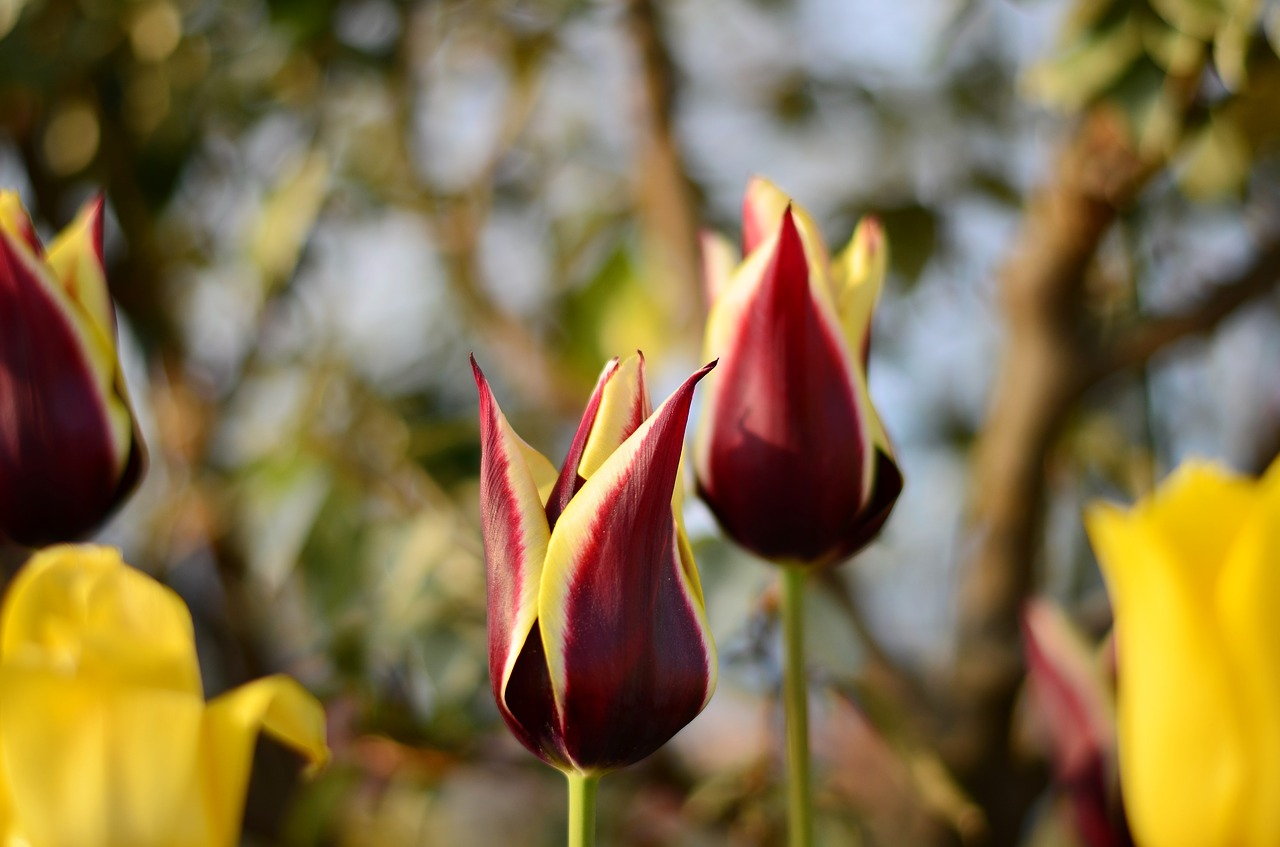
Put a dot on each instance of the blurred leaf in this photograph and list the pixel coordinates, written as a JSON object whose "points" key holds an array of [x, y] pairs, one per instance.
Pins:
{"points": [[1197, 18], [287, 216], [1218, 162], [1089, 65], [277, 507], [913, 238]]}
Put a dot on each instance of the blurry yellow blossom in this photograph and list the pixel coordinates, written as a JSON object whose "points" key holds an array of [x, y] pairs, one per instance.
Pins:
{"points": [[105, 737], [1194, 576]]}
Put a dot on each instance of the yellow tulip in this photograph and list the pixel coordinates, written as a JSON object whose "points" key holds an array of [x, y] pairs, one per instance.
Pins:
{"points": [[105, 736], [1194, 577]]}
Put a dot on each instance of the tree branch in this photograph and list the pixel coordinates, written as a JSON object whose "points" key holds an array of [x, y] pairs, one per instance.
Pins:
{"points": [[1137, 345]]}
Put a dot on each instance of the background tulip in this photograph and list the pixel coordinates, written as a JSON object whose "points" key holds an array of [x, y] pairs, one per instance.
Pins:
{"points": [[791, 456], [105, 737], [1072, 700], [1192, 575], [70, 450], [599, 649]]}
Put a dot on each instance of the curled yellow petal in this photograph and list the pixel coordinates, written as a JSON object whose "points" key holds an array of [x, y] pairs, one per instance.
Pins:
{"points": [[276, 705]]}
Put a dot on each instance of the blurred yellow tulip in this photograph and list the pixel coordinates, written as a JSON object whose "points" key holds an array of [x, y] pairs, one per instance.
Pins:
{"points": [[1194, 577], [105, 736]]}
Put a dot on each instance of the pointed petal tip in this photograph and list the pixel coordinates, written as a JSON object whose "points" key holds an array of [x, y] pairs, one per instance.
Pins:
{"points": [[476, 372]]}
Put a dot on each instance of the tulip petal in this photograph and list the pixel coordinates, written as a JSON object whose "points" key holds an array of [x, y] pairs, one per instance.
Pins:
{"points": [[763, 207], [96, 764], [75, 257], [516, 533], [624, 406], [276, 705], [629, 652], [570, 480], [785, 453], [1165, 636], [81, 608], [68, 450], [1246, 601], [858, 277], [1073, 701], [15, 221]]}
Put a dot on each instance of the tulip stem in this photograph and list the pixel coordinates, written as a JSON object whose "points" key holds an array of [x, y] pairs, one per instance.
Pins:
{"points": [[582, 809], [796, 700]]}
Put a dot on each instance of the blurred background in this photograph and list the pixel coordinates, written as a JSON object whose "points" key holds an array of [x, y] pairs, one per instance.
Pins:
{"points": [[318, 208]]}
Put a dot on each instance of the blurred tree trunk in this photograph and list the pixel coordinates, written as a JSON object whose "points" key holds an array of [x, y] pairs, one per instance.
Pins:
{"points": [[1043, 371]]}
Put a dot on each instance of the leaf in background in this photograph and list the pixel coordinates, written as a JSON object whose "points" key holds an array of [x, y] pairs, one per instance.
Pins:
{"points": [[278, 504], [1090, 65], [1196, 18], [288, 213], [1218, 162]]}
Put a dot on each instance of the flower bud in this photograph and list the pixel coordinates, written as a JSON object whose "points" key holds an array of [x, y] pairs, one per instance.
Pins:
{"points": [[70, 450], [599, 649], [791, 455]]}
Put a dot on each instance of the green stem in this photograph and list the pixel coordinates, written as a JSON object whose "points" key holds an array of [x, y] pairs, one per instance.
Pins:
{"points": [[582, 809], [795, 693]]}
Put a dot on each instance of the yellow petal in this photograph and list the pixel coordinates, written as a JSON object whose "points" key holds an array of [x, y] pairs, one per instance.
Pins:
{"points": [[79, 609], [624, 404], [1177, 702], [74, 258], [544, 473], [1251, 630], [93, 764], [276, 705], [14, 220]]}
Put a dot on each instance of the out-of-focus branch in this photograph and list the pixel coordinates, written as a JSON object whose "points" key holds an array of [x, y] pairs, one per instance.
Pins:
{"points": [[666, 199], [1136, 346], [1043, 369]]}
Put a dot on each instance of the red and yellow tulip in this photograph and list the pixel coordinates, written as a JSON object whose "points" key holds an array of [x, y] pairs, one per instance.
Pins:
{"points": [[791, 455], [599, 649], [105, 735], [69, 447]]}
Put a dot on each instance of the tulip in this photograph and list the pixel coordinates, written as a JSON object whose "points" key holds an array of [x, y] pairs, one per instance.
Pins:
{"points": [[599, 649], [790, 455], [70, 450], [105, 736], [1193, 579], [1072, 695]]}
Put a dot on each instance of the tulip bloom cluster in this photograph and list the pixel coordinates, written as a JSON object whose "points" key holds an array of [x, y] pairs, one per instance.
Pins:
{"points": [[105, 736], [1193, 578], [791, 456], [69, 447], [599, 649]]}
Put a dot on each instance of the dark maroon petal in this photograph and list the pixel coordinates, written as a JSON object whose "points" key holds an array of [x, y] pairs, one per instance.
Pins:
{"points": [[885, 489], [515, 532], [636, 659], [529, 707], [58, 474], [785, 461]]}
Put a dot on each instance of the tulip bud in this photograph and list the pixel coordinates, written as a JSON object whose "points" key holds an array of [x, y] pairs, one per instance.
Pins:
{"points": [[70, 450], [790, 455], [1193, 579], [105, 736], [599, 649], [1072, 697]]}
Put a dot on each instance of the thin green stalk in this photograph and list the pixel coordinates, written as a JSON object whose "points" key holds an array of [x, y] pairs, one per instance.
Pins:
{"points": [[582, 809], [795, 694]]}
